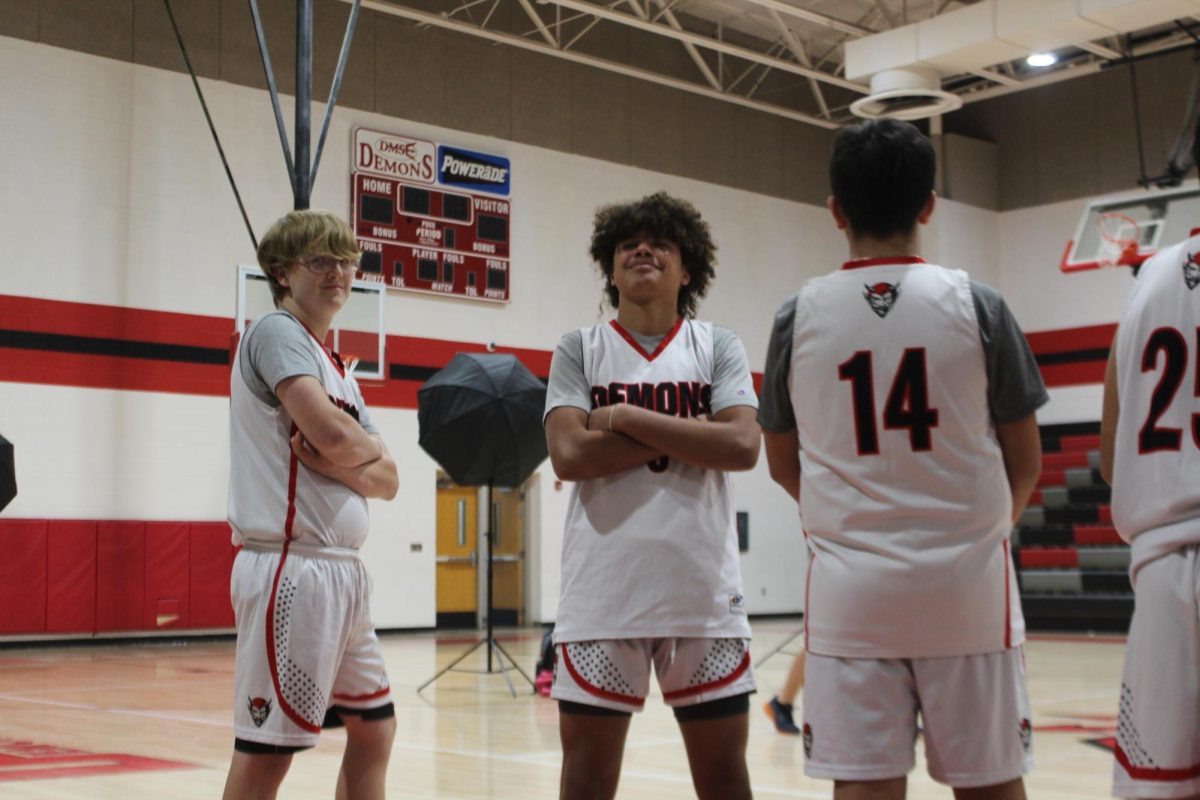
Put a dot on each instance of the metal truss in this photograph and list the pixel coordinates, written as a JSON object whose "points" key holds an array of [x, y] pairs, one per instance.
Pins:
{"points": [[777, 57]]}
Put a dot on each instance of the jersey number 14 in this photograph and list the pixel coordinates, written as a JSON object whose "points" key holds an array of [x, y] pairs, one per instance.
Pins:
{"points": [[907, 406]]}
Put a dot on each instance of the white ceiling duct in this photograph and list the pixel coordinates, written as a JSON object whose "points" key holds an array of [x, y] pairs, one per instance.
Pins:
{"points": [[911, 93], [984, 34]]}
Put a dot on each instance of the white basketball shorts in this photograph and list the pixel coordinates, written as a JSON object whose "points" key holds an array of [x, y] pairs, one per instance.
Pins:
{"points": [[615, 673], [305, 642], [860, 718], [1158, 722]]}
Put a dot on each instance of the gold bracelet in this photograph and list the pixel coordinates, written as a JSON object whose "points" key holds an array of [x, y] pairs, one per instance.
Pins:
{"points": [[611, 414]]}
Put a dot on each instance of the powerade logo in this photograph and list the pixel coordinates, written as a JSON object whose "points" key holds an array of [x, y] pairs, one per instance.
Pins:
{"points": [[470, 170]]}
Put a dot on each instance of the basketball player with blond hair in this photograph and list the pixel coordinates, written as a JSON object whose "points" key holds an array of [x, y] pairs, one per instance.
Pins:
{"points": [[305, 457], [647, 414]]}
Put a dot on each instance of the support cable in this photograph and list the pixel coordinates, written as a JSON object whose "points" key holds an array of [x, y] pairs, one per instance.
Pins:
{"points": [[212, 128]]}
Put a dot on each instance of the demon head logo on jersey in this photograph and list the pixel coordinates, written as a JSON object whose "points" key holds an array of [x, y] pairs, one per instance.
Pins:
{"points": [[1191, 270], [881, 297], [807, 735], [260, 709]]}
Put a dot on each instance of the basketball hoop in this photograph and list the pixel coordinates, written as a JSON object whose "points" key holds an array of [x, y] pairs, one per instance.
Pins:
{"points": [[1119, 238]]}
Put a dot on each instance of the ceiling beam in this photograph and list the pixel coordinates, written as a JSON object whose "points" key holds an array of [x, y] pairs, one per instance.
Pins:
{"points": [[707, 42], [798, 51], [812, 16], [550, 38], [438, 21]]}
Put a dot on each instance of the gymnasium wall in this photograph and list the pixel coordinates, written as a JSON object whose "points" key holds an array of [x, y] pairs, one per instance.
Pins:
{"points": [[113, 202]]}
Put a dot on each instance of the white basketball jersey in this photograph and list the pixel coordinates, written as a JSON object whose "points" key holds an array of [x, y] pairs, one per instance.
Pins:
{"points": [[1156, 468], [272, 496], [904, 498], [651, 551]]}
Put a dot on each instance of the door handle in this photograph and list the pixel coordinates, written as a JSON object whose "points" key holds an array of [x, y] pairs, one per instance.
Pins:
{"points": [[472, 559]]}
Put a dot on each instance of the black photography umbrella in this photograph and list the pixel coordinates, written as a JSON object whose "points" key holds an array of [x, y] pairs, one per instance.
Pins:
{"points": [[8, 473], [481, 419]]}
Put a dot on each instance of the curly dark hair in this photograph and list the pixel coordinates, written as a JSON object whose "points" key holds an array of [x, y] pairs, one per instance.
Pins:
{"points": [[662, 215]]}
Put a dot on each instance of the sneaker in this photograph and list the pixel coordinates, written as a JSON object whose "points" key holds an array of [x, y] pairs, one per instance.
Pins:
{"points": [[543, 681], [781, 716]]}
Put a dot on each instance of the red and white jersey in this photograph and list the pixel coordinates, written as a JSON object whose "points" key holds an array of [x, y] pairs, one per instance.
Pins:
{"points": [[652, 551], [1156, 490], [272, 497], [904, 497]]}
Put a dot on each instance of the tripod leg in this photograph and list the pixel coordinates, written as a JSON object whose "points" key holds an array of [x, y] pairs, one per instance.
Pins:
{"points": [[513, 661], [493, 647], [452, 664], [778, 649]]}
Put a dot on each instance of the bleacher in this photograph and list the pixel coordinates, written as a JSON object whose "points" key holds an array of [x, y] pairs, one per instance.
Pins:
{"points": [[1072, 567]]}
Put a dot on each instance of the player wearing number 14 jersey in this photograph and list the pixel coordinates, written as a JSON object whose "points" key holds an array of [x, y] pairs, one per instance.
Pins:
{"points": [[898, 409]]}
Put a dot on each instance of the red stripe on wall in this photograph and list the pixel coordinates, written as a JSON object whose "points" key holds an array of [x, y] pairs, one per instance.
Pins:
{"points": [[1065, 340], [113, 322], [53, 368], [112, 372]]}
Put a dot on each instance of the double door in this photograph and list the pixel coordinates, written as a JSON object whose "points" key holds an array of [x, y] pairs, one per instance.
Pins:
{"points": [[462, 556]]}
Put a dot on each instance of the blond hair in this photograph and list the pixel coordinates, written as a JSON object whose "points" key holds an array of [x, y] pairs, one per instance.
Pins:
{"points": [[301, 234]]}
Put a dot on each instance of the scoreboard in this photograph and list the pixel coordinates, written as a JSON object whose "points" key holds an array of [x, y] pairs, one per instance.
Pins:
{"points": [[431, 218]]}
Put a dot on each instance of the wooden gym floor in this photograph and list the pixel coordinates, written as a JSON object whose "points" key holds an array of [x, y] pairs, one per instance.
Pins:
{"points": [[151, 720]]}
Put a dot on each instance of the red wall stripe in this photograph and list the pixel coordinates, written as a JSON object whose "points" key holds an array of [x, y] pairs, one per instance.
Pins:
{"points": [[38, 315]]}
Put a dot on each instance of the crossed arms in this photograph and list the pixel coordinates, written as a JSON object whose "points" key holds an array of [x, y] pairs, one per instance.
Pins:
{"points": [[331, 442], [615, 438]]}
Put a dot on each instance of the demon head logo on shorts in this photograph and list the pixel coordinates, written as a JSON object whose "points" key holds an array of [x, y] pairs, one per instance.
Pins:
{"points": [[260, 709], [807, 735], [1026, 735], [1191, 270], [881, 297]]}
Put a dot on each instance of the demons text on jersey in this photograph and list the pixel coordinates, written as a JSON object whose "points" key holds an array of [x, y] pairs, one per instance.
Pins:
{"points": [[677, 398]]}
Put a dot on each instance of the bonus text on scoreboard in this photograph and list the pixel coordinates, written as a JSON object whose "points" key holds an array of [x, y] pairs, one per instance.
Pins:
{"points": [[431, 217]]}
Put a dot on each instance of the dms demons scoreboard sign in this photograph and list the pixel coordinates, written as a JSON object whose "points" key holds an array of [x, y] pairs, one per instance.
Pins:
{"points": [[430, 217]]}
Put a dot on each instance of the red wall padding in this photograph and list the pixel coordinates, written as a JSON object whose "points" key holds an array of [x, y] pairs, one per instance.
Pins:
{"points": [[23, 576], [71, 576], [120, 576], [166, 593], [211, 563]]}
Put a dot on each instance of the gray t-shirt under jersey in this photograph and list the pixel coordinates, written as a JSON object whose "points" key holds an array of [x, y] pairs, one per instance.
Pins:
{"points": [[568, 384], [277, 347], [1015, 387]]}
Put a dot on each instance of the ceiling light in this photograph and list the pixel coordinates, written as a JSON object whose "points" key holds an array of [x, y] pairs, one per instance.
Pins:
{"points": [[1041, 59]]}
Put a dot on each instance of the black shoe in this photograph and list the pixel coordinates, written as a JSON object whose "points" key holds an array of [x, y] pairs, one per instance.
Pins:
{"points": [[781, 716]]}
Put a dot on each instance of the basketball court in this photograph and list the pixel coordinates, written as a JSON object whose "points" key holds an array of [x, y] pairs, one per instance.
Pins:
{"points": [[152, 720]]}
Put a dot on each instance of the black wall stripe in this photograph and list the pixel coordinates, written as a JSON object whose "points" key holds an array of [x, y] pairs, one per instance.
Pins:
{"points": [[121, 348], [1072, 357]]}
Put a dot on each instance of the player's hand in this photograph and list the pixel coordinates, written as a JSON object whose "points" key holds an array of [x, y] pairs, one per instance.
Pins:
{"points": [[310, 457]]}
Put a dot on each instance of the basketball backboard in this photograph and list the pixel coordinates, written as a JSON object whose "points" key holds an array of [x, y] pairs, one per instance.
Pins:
{"points": [[1127, 229], [359, 335]]}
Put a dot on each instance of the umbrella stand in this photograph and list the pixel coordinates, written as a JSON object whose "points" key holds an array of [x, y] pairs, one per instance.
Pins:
{"points": [[780, 647], [493, 647]]}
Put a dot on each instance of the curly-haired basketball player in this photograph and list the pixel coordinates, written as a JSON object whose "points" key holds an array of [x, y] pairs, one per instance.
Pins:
{"points": [[647, 414], [304, 458], [898, 409], [1150, 453]]}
